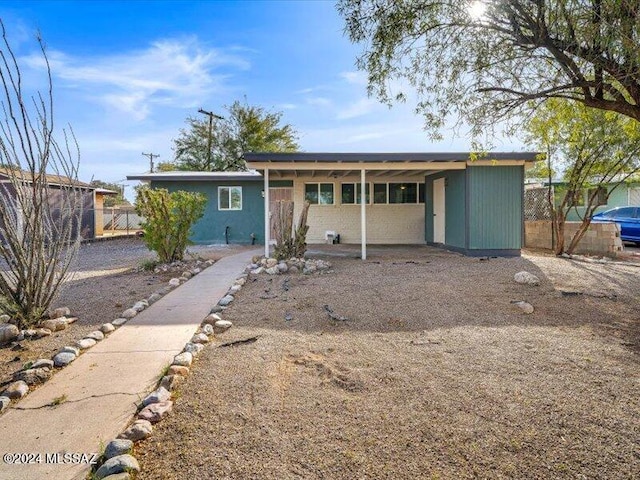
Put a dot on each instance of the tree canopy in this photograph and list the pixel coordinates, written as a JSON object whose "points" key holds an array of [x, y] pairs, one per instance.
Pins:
{"points": [[479, 61], [244, 128], [595, 150]]}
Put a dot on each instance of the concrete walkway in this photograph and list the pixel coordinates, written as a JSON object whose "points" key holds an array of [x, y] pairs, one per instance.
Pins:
{"points": [[101, 388]]}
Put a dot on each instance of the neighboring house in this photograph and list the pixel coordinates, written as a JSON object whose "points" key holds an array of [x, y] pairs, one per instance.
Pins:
{"points": [[92, 199], [471, 206], [619, 194]]}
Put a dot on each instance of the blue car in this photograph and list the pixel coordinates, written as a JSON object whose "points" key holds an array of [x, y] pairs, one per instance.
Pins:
{"points": [[627, 218]]}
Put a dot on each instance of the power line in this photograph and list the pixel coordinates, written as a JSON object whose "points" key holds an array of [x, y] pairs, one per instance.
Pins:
{"points": [[211, 116], [151, 157]]}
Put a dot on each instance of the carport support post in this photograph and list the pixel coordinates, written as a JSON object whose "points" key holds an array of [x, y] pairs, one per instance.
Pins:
{"points": [[267, 223], [363, 214]]}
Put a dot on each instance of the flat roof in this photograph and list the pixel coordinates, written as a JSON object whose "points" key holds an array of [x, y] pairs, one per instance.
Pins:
{"points": [[334, 157], [249, 176]]}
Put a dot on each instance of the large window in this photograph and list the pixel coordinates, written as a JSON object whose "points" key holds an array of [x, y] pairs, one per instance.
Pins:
{"points": [[229, 198], [319, 193], [600, 195], [394, 193], [352, 193]]}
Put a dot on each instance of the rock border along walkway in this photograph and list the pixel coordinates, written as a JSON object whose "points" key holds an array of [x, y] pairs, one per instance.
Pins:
{"points": [[93, 399]]}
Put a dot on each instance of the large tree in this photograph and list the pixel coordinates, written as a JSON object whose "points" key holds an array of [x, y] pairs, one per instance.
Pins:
{"points": [[480, 61], [596, 150], [219, 147]]}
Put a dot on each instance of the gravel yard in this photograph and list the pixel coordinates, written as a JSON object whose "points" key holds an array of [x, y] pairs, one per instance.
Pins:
{"points": [[107, 280], [435, 374]]}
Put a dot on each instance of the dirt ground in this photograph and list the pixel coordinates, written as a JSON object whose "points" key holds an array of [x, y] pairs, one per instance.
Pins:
{"points": [[107, 279], [435, 374]]}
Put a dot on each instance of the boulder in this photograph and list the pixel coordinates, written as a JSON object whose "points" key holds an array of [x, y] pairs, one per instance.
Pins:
{"points": [[97, 335], [216, 309], [118, 322], [271, 262], [195, 271], [282, 267], [184, 359], [42, 363], [257, 271], [193, 348], [211, 319], [70, 349], [161, 394], [4, 318], [139, 306], [41, 333], [153, 298], [207, 329], [4, 403], [187, 274], [293, 269], [129, 313], [222, 326], [170, 382], [156, 411], [178, 370], [526, 307], [200, 338], [226, 300], [174, 282], [63, 358], [8, 332], [234, 289], [107, 328], [71, 320], [119, 464], [272, 270], [60, 312], [526, 278], [33, 376], [119, 446], [86, 343], [240, 281], [55, 324], [137, 431], [16, 390], [118, 476]]}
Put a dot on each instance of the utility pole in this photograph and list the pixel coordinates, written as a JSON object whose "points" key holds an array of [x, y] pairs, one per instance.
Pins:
{"points": [[211, 116], [151, 157]]}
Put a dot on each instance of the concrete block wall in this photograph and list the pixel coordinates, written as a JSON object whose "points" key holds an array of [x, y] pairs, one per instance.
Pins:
{"points": [[386, 224], [600, 239]]}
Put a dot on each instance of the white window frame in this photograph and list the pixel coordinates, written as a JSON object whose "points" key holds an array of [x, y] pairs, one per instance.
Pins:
{"points": [[230, 209], [355, 192], [333, 186]]}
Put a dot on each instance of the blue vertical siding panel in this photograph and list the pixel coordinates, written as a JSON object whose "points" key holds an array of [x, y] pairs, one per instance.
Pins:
{"points": [[495, 207], [210, 229]]}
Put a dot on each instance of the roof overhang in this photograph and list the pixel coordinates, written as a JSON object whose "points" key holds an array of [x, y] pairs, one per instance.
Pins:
{"points": [[181, 176], [395, 164]]}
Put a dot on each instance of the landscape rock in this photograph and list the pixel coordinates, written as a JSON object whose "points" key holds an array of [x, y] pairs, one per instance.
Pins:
{"points": [[139, 306], [63, 358], [195, 271], [171, 382], [42, 363], [86, 343], [526, 278], [97, 335], [4, 318], [119, 464], [33, 376], [272, 270], [70, 349], [222, 326], [118, 322], [71, 320], [129, 313], [153, 298], [524, 306], [271, 262], [235, 289], [211, 319], [174, 282], [283, 267], [293, 269], [60, 312], [107, 328], [187, 274], [226, 300], [119, 446], [178, 370], [256, 259], [118, 476], [160, 394], [257, 271], [156, 411], [216, 309], [184, 359], [4, 403], [240, 281], [16, 390], [207, 329], [55, 324], [193, 348], [37, 333], [200, 338], [137, 431]]}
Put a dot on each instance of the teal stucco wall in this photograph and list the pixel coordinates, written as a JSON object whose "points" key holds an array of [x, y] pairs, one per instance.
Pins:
{"points": [[210, 229], [454, 207], [495, 196], [618, 197]]}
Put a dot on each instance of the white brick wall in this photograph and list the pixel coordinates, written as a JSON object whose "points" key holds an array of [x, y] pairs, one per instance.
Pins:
{"points": [[386, 224]]}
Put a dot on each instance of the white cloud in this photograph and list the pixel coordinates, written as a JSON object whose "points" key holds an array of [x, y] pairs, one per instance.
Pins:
{"points": [[355, 78], [360, 107], [319, 101], [175, 73]]}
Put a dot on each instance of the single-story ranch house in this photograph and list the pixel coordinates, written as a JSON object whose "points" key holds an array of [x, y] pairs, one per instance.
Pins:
{"points": [[464, 202]]}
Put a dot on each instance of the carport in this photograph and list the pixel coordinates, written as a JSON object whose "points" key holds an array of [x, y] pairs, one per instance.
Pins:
{"points": [[461, 201]]}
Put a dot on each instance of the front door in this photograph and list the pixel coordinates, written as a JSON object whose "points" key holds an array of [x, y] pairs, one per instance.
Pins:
{"points": [[438, 210], [278, 194]]}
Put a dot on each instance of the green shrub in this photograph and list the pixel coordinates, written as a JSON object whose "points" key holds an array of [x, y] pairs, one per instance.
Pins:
{"points": [[168, 220]]}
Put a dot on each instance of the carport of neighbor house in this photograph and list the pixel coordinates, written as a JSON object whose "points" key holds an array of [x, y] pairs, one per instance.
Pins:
{"points": [[461, 201]]}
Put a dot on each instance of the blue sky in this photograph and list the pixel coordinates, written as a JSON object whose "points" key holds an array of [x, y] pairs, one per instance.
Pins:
{"points": [[127, 74]]}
